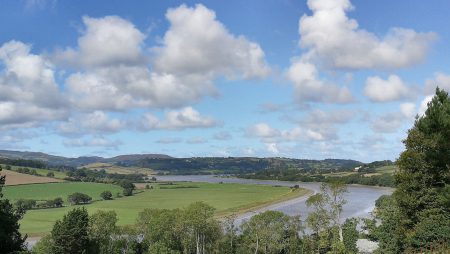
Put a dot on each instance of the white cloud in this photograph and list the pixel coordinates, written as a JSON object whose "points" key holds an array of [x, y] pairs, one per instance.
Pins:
{"points": [[272, 148], [28, 91], [424, 104], [107, 41], [391, 89], [178, 119], [197, 42], [338, 42], [309, 87], [95, 122], [408, 109], [440, 80], [262, 130], [196, 140]]}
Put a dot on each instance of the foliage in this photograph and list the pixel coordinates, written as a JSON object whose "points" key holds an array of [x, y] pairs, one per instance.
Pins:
{"points": [[70, 235], [78, 198], [25, 204], [102, 227], [10, 238], [350, 234], [424, 175], [106, 195]]}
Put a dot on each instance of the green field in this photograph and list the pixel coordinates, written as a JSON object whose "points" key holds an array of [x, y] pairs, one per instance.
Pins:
{"points": [[387, 169], [43, 172], [48, 191], [226, 198]]}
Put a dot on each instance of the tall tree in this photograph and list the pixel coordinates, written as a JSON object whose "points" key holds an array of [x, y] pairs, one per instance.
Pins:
{"points": [[10, 238], [70, 235], [424, 175]]}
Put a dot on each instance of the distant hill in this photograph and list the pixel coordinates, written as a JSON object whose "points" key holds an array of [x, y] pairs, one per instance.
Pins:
{"points": [[195, 165], [53, 160]]}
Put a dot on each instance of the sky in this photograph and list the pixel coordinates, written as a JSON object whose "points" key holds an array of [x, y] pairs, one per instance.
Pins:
{"points": [[309, 79]]}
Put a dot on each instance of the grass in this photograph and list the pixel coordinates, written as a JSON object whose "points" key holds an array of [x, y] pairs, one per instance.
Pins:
{"points": [[43, 172], [226, 198], [53, 190], [387, 169]]}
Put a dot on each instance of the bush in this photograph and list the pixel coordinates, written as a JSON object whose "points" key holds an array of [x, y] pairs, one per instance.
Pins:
{"points": [[25, 204], [106, 195], [50, 174], [79, 198]]}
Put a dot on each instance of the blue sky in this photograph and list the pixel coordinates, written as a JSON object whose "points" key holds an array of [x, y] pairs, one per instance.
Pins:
{"points": [[305, 79]]}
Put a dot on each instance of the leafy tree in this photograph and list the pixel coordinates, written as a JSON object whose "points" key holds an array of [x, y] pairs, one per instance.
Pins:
{"points": [[79, 198], [44, 245], [50, 174], [25, 204], [128, 187], [350, 234], [10, 238], [106, 195], [200, 227], [102, 228], [268, 233], [424, 175], [70, 235]]}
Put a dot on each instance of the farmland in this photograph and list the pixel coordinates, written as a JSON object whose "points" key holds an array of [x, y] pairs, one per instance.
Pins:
{"points": [[14, 178], [226, 198]]}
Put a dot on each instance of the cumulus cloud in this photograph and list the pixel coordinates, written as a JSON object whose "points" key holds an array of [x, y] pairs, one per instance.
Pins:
{"points": [[106, 41], [195, 51], [393, 121], [440, 80], [338, 42], [391, 89], [28, 91], [268, 134], [178, 119], [95, 122], [197, 42], [309, 87]]}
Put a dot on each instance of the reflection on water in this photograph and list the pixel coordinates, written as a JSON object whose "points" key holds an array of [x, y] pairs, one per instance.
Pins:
{"points": [[360, 199]]}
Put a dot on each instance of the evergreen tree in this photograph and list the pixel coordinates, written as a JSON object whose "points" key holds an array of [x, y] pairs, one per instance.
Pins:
{"points": [[423, 177], [10, 238]]}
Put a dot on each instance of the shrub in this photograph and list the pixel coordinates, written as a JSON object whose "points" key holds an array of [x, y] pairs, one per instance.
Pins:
{"points": [[79, 198], [106, 195]]}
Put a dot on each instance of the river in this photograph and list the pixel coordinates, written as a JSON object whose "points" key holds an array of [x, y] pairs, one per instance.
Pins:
{"points": [[360, 198]]}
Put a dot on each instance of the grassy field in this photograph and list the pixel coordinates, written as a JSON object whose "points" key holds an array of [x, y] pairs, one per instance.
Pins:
{"points": [[387, 169], [110, 168], [43, 172], [226, 198], [53, 190], [14, 178]]}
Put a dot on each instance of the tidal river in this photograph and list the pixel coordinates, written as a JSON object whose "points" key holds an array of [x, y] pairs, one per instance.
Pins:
{"points": [[360, 198]]}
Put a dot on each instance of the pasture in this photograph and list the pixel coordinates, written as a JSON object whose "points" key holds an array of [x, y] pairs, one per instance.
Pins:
{"points": [[226, 198], [114, 169]]}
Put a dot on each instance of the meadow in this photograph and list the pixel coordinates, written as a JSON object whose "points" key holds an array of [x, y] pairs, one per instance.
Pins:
{"points": [[226, 198], [15, 178]]}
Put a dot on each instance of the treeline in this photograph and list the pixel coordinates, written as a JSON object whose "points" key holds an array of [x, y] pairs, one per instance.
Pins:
{"points": [[101, 176], [24, 163], [240, 165], [385, 179]]}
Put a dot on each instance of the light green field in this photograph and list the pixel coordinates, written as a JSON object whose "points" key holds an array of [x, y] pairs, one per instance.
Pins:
{"points": [[48, 191], [43, 172], [226, 198]]}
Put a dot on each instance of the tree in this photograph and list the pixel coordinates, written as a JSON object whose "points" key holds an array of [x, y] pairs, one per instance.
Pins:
{"points": [[79, 198], [128, 187], [50, 174], [269, 232], [70, 235], [350, 235], [424, 175], [200, 227], [102, 229], [10, 238], [25, 204], [106, 195]]}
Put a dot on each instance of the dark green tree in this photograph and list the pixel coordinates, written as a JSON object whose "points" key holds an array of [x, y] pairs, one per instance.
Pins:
{"points": [[424, 175], [10, 238], [106, 195], [70, 235]]}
